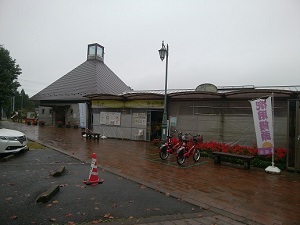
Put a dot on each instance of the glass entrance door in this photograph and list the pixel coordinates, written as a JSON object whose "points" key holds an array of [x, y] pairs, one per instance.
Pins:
{"points": [[297, 137], [293, 154], [148, 130]]}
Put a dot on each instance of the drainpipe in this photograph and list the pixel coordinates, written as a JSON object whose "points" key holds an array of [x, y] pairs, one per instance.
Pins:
{"points": [[222, 118]]}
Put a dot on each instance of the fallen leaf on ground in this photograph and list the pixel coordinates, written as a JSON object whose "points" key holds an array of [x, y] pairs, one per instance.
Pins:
{"points": [[55, 202], [107, 215], [200, 215], [49, 205], [52, 219], [69, 214], [156, 209], [13, 217]]}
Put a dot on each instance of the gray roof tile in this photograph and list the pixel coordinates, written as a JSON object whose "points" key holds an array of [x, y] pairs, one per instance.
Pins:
{"points": [[91, 77]]}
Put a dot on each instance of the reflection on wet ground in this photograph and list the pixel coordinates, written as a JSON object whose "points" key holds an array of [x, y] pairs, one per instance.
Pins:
{"points": [[252, 194], [71, 141]]}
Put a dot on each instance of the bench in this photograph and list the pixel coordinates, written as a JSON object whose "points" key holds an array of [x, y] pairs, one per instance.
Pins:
{"points": [[246, 158], [91, 135]]}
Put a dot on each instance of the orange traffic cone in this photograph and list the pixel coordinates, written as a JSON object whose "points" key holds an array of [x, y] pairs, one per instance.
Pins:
{"points": [[93, 177]]}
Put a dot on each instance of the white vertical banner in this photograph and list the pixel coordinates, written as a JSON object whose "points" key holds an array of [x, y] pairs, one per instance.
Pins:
{"points": [[263, 123], [82, 114]]}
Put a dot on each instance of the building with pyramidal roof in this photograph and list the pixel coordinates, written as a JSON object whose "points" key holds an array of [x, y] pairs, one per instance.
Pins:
{"points": [[60, 101]]}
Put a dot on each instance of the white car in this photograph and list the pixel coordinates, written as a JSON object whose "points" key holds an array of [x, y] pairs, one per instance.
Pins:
{"points": [[12, 141]]}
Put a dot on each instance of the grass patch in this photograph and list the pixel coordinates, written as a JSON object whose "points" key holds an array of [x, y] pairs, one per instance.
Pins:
{"points": [[34, 145]]}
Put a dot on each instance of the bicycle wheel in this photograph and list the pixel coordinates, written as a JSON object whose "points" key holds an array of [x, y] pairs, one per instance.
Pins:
{"points": [[163, 154], [196, 155], [180, 157]]}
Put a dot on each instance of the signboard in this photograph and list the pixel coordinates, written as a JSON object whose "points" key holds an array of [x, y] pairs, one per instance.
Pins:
{"points": [[30, 115], [82, 114], [157, 104], [263, 123], [139, 119], [110, 118], [107, 104], [147, 104]]}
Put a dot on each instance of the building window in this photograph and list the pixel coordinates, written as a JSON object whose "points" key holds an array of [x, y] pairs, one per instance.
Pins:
{"points": [[92, 50], [99, 51]]}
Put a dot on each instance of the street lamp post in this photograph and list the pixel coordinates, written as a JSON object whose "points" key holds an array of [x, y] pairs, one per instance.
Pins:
{"points": [[164, 52]]}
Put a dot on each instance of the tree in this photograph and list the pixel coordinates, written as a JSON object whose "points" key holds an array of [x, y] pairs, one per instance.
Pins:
{"points": [[20, 103], [9, 72]]}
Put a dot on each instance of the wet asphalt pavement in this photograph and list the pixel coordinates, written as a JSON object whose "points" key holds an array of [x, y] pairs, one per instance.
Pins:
{"points": [[27, 175], [209, 194]]}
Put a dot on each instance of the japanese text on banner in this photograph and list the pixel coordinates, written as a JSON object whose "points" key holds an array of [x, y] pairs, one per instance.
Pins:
{"points": [[263, 123]]}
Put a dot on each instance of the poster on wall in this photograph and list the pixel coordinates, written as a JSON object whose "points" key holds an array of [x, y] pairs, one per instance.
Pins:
{"points": [[173, 121], [110, 118], [82, 114], [139, 119]]}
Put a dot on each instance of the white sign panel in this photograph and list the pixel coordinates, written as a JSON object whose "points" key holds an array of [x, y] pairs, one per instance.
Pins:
{"points": [[82, 114]]}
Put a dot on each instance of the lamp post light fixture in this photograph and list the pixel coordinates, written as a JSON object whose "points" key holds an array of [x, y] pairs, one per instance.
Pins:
{"points": [[164, 52]]}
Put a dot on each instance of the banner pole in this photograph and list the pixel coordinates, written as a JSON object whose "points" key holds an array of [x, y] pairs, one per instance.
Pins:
{"points": [[273, 153], [273, 169]]}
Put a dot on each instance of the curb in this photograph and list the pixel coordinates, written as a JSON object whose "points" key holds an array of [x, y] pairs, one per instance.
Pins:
{"points": [[47, 195], [58, 172], [52, 191], [6, 158]]}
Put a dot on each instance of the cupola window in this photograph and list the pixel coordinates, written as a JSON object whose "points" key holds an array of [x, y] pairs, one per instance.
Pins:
{"points": [[95, 51]]}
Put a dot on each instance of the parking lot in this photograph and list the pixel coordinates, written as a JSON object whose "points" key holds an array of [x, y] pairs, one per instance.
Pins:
{"points": [[27, 175], [227, 191]]}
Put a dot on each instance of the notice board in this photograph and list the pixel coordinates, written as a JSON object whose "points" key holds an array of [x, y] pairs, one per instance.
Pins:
{"points": [[110, 118]]}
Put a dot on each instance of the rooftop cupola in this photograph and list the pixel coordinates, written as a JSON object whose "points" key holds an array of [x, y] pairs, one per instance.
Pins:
{"points": [[95, 51]]}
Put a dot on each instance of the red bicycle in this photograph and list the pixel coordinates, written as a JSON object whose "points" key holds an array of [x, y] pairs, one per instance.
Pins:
{"points": [[187, 150], [170, 146]]}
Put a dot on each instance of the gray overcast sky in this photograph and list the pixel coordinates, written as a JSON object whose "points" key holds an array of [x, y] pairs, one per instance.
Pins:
{"points": [[223, 42]]}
